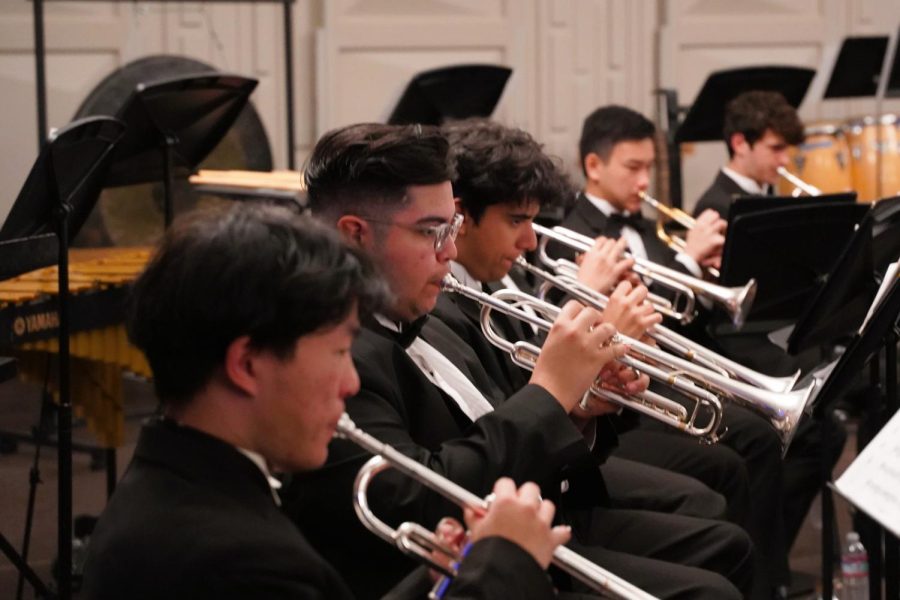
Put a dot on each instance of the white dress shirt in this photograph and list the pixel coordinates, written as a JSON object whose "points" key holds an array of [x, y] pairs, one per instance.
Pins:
{"points": [[444, 374], [746, 183]]}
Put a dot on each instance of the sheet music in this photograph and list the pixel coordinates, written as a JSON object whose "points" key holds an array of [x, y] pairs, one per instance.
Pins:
{"points": [[872, 481], [890, 278]]}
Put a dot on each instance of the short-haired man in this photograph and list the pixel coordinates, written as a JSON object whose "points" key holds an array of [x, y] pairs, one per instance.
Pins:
{"points": [[246, 317], [759, 126], [617, 153], [388, 190]]}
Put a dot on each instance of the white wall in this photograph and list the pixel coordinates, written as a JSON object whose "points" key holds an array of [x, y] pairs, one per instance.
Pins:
{"points": [[353, 57]]}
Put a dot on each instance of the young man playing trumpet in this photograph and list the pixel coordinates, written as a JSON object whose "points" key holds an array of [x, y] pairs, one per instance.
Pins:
{"points": [[387, 189], [617, 152], [246, 316], [759, 127], [503, 180]]}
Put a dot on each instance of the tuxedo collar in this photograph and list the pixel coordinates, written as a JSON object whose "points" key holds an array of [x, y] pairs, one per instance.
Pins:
{"points": [[401, 332]]}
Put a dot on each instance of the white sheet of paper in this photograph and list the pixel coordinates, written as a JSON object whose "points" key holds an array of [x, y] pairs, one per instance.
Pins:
{"points": [[872, 481]]}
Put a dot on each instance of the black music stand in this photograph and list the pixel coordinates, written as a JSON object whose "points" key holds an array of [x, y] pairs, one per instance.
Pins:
{"points": [[857, 68], [879, 332], [885, 233], [172, 125], [706, 117], [455, 92], [789, 250], [839, 305], [60, 191]]}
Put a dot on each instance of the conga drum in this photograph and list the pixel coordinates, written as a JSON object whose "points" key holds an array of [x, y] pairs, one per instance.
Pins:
{"points": [[823, 160], [865, 149]]}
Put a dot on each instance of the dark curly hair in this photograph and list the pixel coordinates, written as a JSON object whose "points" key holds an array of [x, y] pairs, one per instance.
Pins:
{"points": [[497, 164], [366, 168], [609, 125], [752, 113], [248, 269]]}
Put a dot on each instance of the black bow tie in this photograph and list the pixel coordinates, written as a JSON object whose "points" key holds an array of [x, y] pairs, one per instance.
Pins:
{"points": [[635, 221], [410, 331]]}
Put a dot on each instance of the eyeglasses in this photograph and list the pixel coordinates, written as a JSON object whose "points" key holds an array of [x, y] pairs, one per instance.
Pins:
{"points": [[440, 234]]}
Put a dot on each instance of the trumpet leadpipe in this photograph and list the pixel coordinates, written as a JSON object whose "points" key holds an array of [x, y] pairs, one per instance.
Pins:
{"points": [[387, 456]]}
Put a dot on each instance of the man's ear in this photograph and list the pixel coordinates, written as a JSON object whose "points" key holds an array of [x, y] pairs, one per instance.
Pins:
{"points": [[354, 229], [739, 143], [240, 366], [593, 166], [467, 218]]}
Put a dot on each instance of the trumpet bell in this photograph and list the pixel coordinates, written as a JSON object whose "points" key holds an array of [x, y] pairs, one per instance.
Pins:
{"points": [[783, 411], [738, 305]]}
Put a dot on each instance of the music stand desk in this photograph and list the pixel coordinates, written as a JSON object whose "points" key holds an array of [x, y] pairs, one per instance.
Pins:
{"points": [[788, 250]]}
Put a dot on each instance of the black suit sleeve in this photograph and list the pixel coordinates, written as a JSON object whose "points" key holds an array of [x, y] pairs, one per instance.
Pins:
{"points": [[529, 437], [498, 568]]}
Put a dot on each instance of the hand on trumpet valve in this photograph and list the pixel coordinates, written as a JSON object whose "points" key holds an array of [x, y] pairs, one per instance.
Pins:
{"points": [[706, 238], [575, 350], [451, 534], [522, 517], [629, 312], [601, 267]]}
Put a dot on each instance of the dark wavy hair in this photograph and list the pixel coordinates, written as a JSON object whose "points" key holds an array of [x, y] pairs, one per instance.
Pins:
{"points": [[254, 270], [609, 125], [366, 168], [752, 113], [497, 164]]}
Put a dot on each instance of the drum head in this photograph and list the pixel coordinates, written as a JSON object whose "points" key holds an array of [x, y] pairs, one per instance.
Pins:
{"points": [[133, 215]]}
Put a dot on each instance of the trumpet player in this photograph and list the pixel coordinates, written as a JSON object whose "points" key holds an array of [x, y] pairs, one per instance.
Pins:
{"points": [[503, 180], [616, 149], [250, 354], [759, 127], [387, 189]]}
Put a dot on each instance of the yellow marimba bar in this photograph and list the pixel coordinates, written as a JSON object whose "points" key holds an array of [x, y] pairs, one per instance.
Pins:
{"points": [[98, 356]]}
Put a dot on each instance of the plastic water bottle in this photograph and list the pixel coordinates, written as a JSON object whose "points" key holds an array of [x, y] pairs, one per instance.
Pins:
{"points": [[854, 569]]}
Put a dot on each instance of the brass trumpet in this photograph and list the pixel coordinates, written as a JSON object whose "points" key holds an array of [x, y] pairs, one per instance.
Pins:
{"points": [[675, 342], [703, 422], [800, 186], [782, 409], [735, 300], [414, 539], [677, 244]]}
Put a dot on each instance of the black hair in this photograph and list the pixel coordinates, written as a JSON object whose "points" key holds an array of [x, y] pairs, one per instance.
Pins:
{"points": [[752, 113], [497, 164], [254, 270], [365, 169], [609, 125]]}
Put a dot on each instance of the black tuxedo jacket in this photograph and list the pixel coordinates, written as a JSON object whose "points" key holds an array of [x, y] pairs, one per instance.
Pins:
{"points": [[719, 195], [193, 518], [527, 437], [587, 219], [463, 316]]}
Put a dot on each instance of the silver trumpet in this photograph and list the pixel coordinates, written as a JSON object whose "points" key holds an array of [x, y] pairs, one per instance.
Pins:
{"points": [[681, 308], [414, 539], [782, 409], [675, 342], [735, 300], [800, 186], [703, 422]]}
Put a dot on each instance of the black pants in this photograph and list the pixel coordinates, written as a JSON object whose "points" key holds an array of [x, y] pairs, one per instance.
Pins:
{"points": [[745, 466], [669, 556], [640, 486]]}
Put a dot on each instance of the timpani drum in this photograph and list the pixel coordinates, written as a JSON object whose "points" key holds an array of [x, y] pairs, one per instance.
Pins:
{"points": [[822, 160], [866, 148]]}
